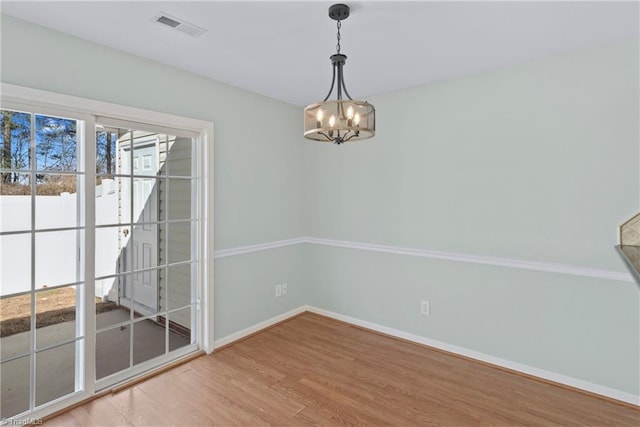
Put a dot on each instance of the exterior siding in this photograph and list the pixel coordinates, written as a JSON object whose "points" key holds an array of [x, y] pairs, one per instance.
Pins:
{"points": [[175, 204]]}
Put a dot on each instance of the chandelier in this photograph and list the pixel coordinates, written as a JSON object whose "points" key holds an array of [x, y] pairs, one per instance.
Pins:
{"points": [[339, 120]]}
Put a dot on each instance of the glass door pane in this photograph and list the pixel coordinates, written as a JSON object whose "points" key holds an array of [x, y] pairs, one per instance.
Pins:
{"points": [[144, 246], [41, 239]]}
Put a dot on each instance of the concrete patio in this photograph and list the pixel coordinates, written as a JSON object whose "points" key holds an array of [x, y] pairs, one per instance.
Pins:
{"points": [[55, 368]]}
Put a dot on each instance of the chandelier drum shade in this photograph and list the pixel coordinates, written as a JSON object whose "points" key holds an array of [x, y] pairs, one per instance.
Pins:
{"points": [[340, 120]]}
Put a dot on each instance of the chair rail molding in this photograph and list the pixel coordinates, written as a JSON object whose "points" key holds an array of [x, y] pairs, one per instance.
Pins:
{"points": [[440, 255]]}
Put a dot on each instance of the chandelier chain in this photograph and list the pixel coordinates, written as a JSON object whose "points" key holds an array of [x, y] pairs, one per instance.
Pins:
{"points": [[338, 36]]}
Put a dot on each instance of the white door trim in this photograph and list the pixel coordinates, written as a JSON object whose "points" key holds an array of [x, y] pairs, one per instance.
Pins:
{"points": [[87, 110]]}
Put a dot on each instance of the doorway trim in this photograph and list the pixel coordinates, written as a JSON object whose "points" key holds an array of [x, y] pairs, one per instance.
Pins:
{"points": [[91, 110]]}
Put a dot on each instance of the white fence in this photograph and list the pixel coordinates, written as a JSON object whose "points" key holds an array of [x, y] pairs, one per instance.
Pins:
{"points": [[56, 252]]}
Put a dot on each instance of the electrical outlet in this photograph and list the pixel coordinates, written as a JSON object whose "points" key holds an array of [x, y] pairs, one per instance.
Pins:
{"points": [[278, 291], [425, 307], [284, 288]]}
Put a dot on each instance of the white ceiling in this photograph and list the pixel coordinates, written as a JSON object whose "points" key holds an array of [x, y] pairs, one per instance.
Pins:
{"points": [[282, 49]]}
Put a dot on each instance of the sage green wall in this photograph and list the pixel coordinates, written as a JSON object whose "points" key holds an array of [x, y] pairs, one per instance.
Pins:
{"points": [[537, 162], [257, 151]]}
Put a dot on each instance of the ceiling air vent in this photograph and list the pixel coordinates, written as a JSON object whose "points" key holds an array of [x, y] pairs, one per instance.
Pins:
{"points": [[179, 24], [167, 21]]}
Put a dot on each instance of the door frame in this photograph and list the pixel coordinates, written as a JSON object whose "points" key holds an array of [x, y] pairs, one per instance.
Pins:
{"points": [[88, 111]]}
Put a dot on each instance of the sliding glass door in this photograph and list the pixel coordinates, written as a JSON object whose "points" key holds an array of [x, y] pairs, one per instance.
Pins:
{"points": [[100, 274], [146, 266], [42, 282]]}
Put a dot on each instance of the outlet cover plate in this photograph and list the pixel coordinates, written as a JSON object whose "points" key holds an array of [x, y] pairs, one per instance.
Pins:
{"points": [[425, 307]]}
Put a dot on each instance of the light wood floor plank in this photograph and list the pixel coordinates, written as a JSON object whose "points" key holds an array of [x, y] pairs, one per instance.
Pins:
{"points": [[313, 370]]}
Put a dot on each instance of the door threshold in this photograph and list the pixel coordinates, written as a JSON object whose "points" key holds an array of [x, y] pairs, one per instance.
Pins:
{"points": [[117, 388]]}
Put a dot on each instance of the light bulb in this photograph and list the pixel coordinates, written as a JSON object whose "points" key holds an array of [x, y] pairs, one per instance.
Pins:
{"points": [[332, 120], [319, 117], [356, 119], [350, 113]]}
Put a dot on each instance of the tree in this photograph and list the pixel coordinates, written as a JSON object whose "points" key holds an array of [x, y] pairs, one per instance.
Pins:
{"points": [[7, 127], [55, 148], [15, 138], [56, 144], [105, 152], [108, 155]]}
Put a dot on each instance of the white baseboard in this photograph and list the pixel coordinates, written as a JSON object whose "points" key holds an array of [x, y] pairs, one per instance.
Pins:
{"points": [[540, 373], [257, 327], [493, 360]]}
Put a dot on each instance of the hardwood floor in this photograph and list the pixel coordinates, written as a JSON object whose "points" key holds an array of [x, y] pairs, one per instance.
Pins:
{"points": [[315, 370]]}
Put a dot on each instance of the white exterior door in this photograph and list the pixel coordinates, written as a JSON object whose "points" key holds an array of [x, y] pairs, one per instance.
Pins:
{"points": [[142, 241]]}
